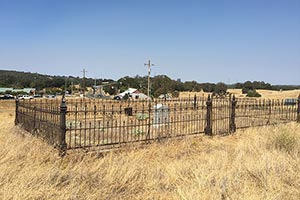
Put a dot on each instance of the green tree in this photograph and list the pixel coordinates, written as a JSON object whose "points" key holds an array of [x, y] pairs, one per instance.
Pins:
{"points": [[220, 89]]}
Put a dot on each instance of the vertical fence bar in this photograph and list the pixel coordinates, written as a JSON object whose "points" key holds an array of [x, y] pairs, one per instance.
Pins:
{"points": [[232, 127], [208, 128], [62, 135], [298, 110]]}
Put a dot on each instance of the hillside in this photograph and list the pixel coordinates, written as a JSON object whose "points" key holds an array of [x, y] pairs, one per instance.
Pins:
{"points": [[17, 79], [260, 163]]}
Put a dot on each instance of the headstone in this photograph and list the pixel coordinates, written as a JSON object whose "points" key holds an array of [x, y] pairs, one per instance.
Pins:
{"points": [[161, 115]]}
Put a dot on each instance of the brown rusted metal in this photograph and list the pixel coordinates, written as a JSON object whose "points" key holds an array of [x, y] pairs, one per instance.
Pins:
{"points": [[17, 112], [105, 124], [232, 126], [208, 128], [62, 135], [298, 109]]}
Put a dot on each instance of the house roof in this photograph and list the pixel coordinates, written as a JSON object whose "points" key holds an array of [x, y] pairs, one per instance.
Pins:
{"points": [[129, 90]]}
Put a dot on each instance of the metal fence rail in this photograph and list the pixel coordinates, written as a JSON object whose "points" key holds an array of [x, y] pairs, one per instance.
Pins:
{"points": [[263, 112], [87, 123], [41, 118], [94, 123]]}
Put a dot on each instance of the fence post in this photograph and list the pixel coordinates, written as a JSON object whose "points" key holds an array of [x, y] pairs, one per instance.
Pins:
{"points": [[298, 110], [148, 137], [208, 128], [17, 112], [62, 134], [34, 119], [195, 102], [232, 125]]}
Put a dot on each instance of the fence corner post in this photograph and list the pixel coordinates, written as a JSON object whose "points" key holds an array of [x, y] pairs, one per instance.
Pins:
{"points": [[298, 110], [62, 134], [17, 112], [208, 128], [232, 126]]}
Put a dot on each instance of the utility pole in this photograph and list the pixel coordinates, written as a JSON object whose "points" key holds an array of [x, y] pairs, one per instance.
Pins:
{"points": [[83, 71], [149, 65], [72, 88], [65, 85], [95, 85]]}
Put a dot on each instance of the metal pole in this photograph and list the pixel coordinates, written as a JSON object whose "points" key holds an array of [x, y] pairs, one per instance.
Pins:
{"points": [[232, 125], [17, 112], [149, 71], [65, 85], [72, 87], [195, 102], [149, 65], [298, 110], [83, 71], [208, 128], [62, 134]]}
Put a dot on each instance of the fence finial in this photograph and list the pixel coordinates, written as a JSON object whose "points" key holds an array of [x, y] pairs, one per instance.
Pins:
{"points": [[63, 99]]}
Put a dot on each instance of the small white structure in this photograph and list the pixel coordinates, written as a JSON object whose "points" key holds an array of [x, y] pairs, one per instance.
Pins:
{"points": [[134, 94]]}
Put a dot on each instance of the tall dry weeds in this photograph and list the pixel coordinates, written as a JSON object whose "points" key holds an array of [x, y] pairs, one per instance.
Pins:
{"points": [[253, 164]]}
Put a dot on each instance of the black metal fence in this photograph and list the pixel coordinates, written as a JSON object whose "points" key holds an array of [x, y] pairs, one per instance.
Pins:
{"points": [[89, 123]]}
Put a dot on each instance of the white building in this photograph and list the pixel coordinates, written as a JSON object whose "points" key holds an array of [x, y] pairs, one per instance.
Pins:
{"points": [[133, 94]]}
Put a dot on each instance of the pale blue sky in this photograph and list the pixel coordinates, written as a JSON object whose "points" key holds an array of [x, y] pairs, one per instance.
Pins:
{"points": [[206, 41]]}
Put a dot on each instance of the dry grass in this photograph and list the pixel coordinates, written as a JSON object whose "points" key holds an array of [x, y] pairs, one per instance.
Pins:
{"points": [[267, 94], [255, 164]]}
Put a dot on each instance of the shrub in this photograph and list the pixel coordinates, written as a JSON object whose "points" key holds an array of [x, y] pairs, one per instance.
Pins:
{"points": [[253, 93], [220, 89]]}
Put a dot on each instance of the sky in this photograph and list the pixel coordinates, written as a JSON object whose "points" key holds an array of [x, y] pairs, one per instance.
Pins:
{"points": [[203, 40]]}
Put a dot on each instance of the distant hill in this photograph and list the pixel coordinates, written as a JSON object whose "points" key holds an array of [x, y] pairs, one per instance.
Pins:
{"points": [[17, 79], [160, 84]]}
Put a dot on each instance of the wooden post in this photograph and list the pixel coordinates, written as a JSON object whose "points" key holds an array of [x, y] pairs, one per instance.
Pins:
{"points": [[208, 128], [232, 126], [62, 134]]}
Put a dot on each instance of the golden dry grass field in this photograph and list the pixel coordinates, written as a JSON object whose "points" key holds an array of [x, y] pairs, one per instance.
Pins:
{"points": [[265, 94], [258, 163]]}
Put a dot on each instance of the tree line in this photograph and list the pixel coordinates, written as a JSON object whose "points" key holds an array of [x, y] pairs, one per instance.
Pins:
{"points": [[160, 84]]}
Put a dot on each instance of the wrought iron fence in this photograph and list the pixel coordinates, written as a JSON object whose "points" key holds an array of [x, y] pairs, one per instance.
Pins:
{"points": [[88, 123], [43, 118]]}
